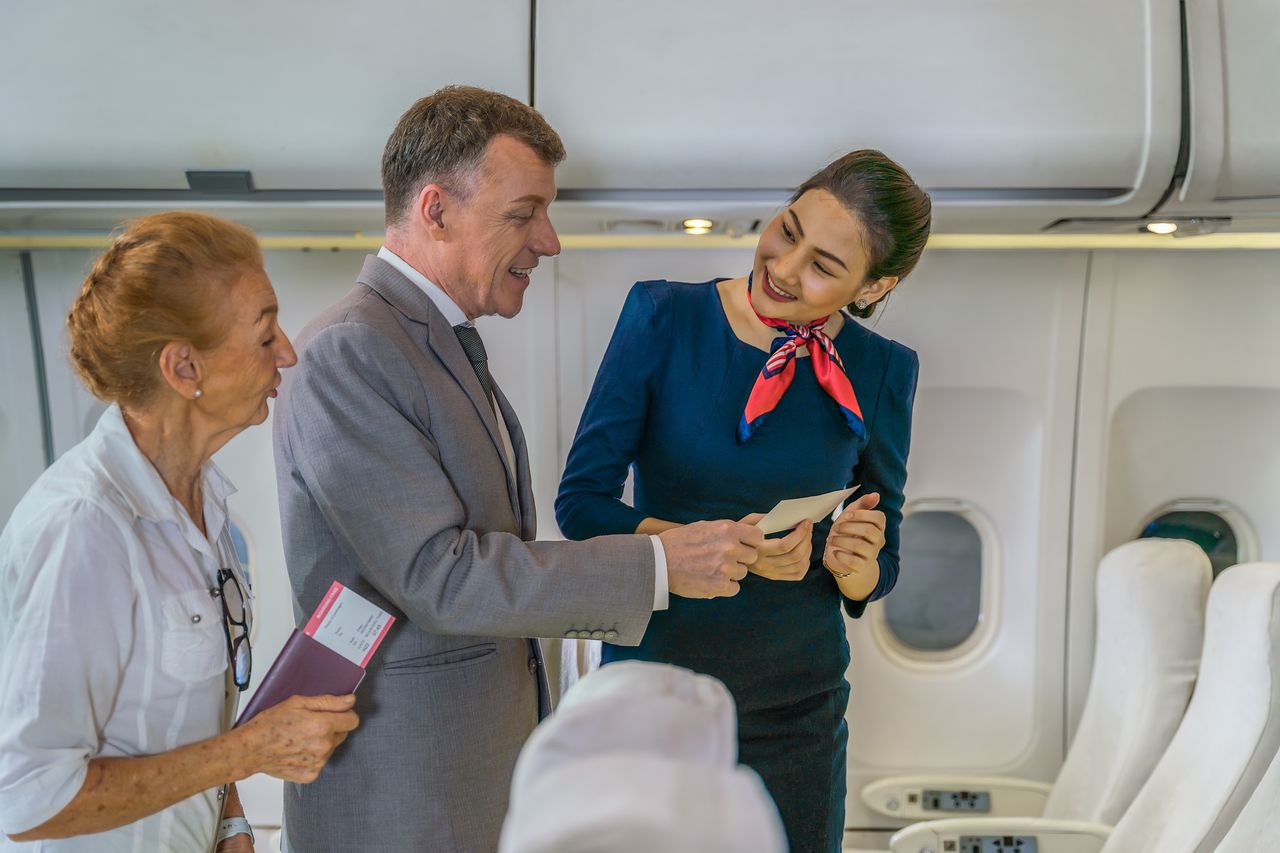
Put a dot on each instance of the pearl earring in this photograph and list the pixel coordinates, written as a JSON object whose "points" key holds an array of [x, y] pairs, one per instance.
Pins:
{"points": [[199, 393], [861, 304]]}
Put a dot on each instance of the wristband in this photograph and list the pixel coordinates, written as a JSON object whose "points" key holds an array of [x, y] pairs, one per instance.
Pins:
{"points": [[233, 826]]}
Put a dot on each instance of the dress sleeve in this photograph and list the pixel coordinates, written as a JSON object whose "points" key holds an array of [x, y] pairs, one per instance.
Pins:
{"points": [[882, 466], [64, 653], [613, 423]]}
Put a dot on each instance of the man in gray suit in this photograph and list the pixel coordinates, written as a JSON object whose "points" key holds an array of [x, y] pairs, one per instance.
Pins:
{"points": [[403, 473]]}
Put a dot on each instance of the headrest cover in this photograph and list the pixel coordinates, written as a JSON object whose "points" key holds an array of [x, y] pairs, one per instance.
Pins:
{"points": [[639, 757]]}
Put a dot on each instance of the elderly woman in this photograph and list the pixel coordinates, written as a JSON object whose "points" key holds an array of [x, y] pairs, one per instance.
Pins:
{"points": [[731, 395], [122, 602]]}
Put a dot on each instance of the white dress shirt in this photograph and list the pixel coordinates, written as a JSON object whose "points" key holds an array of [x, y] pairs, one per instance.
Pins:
{"points": [[457, 317], [111, 643]]}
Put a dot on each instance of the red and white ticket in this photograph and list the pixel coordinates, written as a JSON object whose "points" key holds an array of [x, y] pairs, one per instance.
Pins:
{"points": [[350, 625]]}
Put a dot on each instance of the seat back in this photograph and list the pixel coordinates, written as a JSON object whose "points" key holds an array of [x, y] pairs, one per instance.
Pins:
{"points": [[1258, 827], [1230, 732], [639, 757], [1150, 628]]}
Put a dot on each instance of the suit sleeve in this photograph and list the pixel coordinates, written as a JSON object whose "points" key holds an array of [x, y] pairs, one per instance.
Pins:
{"points": [[612, 426], [882, 466], [379, 483]]}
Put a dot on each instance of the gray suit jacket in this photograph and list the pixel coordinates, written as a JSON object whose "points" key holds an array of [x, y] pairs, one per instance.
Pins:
{"points": [[393, 481]]}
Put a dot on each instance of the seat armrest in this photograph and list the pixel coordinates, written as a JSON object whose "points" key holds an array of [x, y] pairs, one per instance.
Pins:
{"points": [[1001, 835], [927, 797]]}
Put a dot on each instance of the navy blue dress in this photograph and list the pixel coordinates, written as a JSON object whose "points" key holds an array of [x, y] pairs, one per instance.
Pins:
{"points": [[667, 400]]}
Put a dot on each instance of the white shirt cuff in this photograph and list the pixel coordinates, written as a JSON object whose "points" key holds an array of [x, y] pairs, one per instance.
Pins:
{"points": [[661, 594]]}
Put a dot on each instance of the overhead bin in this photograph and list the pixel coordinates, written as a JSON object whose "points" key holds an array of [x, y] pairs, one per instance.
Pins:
{"points": [[1013, 113], [134, 93], [1233, 55]]}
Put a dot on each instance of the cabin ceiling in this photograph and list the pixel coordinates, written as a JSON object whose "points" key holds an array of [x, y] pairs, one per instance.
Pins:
{"points": [[1019, 117]]}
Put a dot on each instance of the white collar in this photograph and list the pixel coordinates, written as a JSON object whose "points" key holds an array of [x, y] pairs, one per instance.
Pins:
{"points": [[455, 315], [138, 481]]}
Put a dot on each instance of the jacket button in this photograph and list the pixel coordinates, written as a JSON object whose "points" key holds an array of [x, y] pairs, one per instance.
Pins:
{"points": [[597, 635], [533, 665], [611, 635]]}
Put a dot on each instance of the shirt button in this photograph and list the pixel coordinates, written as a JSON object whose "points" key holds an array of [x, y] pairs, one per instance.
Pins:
{"points": [[597, 635], [611, 635], [533, 665], [195, 618]]}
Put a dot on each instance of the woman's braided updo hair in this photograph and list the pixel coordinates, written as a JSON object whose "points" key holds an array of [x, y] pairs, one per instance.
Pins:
{"points": [[894, 211], [164, 278]]}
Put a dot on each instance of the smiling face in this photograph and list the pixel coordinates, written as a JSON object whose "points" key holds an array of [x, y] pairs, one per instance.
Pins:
{"points": [[812, 261], [241, 373], [497, 234]]}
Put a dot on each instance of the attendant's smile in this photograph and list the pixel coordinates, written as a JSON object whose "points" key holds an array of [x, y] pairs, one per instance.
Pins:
{"points": [[773, 291]]}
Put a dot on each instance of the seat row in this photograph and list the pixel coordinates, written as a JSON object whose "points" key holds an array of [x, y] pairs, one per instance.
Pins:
{"points": [[1177, 747]]}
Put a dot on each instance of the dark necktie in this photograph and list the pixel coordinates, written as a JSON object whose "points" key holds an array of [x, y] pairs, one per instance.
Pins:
{"points": [[474, 348]]}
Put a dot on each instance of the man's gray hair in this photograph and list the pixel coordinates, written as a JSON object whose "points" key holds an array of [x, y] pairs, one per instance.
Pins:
{"points": [[442, 138]]}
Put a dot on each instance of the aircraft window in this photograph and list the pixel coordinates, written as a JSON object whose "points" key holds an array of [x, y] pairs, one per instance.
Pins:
{"points": [[937, 602], [1211, 530]]}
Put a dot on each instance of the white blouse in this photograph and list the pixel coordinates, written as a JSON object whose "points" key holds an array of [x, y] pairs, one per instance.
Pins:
{"points": [[111, 643]]}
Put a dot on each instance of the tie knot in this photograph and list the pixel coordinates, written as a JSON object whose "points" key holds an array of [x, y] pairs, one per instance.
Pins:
{"points": [[472, 345]]}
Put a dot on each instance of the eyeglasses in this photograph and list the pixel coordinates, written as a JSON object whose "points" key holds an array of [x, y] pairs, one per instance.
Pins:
{"points": [[236, 622]]}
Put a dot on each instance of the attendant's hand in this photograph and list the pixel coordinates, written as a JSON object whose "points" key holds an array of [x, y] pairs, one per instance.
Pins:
{"points": [[235, 844], [706, 559], [293, 740], [785, 558], [854, 544]]}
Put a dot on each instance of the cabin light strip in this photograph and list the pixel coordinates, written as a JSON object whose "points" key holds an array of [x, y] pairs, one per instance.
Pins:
{"points": [[969, 242]]}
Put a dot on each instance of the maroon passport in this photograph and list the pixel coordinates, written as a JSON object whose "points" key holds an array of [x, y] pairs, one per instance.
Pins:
{"points": [[328, 655], [304, 668]]}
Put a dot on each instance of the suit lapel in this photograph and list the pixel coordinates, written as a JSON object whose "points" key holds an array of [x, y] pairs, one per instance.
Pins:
{"points": [[408, 299]]}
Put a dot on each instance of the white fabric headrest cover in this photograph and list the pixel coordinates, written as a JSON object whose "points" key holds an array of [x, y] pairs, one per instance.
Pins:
{"points": [[626, 802], [1230, 732], [1150, 628], [639, 757], [650, 708]]}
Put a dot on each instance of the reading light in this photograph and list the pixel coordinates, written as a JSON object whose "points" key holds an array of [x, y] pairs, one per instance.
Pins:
{"points": [[1162, 227], [690, 224], [698, 230]]}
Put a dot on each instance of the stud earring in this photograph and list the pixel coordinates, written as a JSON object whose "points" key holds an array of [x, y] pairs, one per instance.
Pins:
{"points": [[199, 393], [861, 305]]}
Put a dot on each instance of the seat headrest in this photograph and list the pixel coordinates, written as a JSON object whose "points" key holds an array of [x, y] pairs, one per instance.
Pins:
{"points": [[627, 802], [639, 757], [1150, 630]]}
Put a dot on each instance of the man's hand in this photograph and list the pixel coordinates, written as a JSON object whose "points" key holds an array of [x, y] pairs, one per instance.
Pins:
{"points": [[853, 546], [293, 740], [706, 559], [786, 558]]}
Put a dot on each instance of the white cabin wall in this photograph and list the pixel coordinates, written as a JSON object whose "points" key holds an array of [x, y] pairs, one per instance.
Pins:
{"points": [[21, 439]]}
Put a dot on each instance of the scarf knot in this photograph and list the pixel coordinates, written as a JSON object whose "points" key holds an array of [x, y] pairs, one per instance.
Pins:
{"points": [[780, 368]]}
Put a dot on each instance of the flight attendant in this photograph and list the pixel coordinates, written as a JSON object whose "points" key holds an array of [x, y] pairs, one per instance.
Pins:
{"points": [[733, 394]]}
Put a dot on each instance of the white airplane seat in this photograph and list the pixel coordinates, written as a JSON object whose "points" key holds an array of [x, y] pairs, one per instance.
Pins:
{"points": [[1231, 730], [639, 757], [1258, 827], [1219, 753], [1151, 598], [1150, 628]]}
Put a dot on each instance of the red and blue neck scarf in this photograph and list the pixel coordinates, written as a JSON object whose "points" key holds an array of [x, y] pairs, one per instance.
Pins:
{"points": [[780, 368]]}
